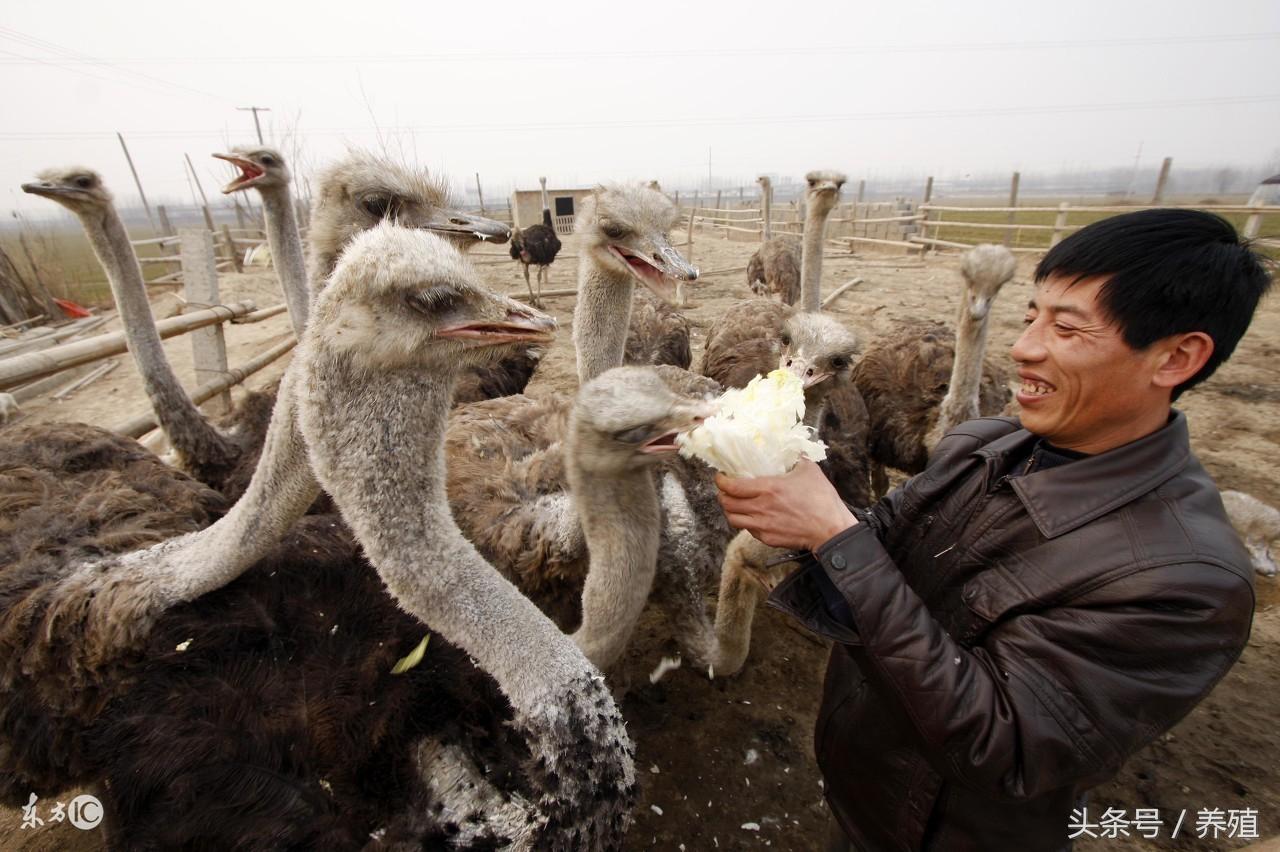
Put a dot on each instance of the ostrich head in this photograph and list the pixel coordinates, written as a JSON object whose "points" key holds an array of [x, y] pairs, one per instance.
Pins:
{"points": [[624, 229], [764, 181], [627, 418], [361, 190], [260, 168], [379, 308], [78, 189], [823, 190], [820, 351], [985, 268]]}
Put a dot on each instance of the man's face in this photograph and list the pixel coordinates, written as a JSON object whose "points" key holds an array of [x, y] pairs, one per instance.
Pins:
{"points": [[1083, 388]]}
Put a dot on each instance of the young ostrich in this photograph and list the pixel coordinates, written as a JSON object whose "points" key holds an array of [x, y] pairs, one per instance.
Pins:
{"points": [[264, 169], [363, 189], [536, 245], [918, 385], [205, 452], [774, 269], [75, 624]]}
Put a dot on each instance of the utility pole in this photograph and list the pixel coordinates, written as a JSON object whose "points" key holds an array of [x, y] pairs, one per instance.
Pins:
{"points": [[255, 110]]}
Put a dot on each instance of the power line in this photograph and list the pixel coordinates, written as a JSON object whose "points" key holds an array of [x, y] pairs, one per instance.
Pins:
{"points": [[710, 53], [711, 121]]}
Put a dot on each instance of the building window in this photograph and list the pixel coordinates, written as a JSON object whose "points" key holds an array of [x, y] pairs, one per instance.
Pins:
{"points": [[564, 206]]}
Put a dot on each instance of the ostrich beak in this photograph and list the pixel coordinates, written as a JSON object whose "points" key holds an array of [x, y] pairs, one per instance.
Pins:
{"points": [[455, 223], [522, 324], [48, 189], [806, 373], [978, 308], [656, 265], [683, 418], [250, 172]]}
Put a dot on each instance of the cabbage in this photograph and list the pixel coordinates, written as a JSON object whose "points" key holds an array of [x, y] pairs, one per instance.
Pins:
{"points": [[757, 430]]}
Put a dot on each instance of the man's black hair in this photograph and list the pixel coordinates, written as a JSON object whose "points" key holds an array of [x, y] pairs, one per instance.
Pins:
{"points": [[1169, 272]]}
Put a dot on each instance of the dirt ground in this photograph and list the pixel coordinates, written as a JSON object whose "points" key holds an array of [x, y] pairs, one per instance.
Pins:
{"points": [[729, 764]]}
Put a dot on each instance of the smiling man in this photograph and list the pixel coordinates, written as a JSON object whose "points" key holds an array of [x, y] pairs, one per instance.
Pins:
{"points": [[1049, 595]]}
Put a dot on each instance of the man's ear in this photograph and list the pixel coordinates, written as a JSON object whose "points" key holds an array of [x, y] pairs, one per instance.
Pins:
{"points": [[1184, 356]]}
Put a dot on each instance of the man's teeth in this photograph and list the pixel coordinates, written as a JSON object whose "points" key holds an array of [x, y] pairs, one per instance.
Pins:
{"points": [[1036, 389]]}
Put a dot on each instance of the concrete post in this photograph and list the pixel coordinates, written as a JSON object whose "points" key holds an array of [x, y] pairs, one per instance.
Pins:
{"points": [[200, 286]]}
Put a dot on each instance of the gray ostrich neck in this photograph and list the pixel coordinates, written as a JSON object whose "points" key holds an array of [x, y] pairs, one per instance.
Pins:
{"points": [[282, 489], [601, 319], [189, 433], [621, 522], [813, 411], [961, 402], [815, 232], [287, 254]]}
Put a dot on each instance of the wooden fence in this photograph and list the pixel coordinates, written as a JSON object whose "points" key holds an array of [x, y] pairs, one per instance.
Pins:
{"points": [[35, 361]]}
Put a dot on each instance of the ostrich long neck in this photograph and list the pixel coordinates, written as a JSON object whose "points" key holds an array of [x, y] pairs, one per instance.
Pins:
{"points": [[601, 318], [621, 522], [283, 487], [961, 402], [200, 445], [287, 254], [360, 428], [815, 232]]}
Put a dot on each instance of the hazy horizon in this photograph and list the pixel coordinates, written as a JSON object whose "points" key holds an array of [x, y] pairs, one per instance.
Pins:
{"points": [[683, 94]]}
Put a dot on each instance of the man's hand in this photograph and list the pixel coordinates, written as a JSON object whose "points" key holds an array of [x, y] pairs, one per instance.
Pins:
{"points": [[798, 510]]}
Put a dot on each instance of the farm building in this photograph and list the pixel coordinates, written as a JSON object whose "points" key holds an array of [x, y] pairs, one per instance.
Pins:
{"points": [[526, 205]]}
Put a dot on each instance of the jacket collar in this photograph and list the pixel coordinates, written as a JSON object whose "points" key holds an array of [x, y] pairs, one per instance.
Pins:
{"points": [[1061, 499]]}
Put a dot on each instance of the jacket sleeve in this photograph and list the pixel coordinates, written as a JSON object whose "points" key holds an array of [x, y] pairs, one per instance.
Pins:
{"points": [[1048, 698]]}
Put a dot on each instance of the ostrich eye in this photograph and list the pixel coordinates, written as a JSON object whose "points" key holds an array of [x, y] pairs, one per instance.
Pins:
{"points": [[637, 435], [613, 230], [379, 206], [839, 363], [84, 181], [812, 183], [268, 160], [437, 301], [786, 340]]}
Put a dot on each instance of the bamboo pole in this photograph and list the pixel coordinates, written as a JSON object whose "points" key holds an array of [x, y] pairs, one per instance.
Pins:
{"points": [[34, 365], [567, 291], [840, 291], [1163, 180], [480, 195], [259, 316], [141, 425], [95, 374], [924, 223], [137, 182], [204, 205]]}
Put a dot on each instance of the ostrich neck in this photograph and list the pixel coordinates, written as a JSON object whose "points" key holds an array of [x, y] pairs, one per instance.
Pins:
{"points": [[287, 254], [601, 318], [282, 488], [815, 232], [621, 522], [360, 429], [961, 402], [189, 433]]}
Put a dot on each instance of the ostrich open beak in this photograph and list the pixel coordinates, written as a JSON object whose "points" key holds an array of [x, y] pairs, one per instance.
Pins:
{"points": [[250, 172], [450, 223], [657, 266], [682, 419]]}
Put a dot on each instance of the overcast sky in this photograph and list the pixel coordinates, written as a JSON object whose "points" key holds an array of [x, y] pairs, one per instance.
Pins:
{"points": [[585, 92]]}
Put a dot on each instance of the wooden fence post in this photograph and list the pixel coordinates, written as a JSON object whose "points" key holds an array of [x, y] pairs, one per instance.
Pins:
{"points": [[1162, 180], [1254, 223], [231, 249], [1059, 225], [1013, 202], [200, 286], [926, 215], [480, 195]]}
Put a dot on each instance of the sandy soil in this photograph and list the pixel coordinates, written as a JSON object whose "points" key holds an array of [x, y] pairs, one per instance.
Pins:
{"points": [[714, 757]]}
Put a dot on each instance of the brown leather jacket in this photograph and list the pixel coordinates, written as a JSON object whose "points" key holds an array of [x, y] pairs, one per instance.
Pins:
{"points": [[1013, 640]]}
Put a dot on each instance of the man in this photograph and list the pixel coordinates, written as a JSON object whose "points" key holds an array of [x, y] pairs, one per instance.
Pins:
{"points": [[1048, 596]]}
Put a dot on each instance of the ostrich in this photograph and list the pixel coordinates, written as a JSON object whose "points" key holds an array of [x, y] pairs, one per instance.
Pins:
{"points": [[363, 189], [536, 244], [1258, 526], [766, 205], [774, 269], [264, 169], [623, 239], [918, 385], [74, 623], [657, 334], [202, 450]]}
